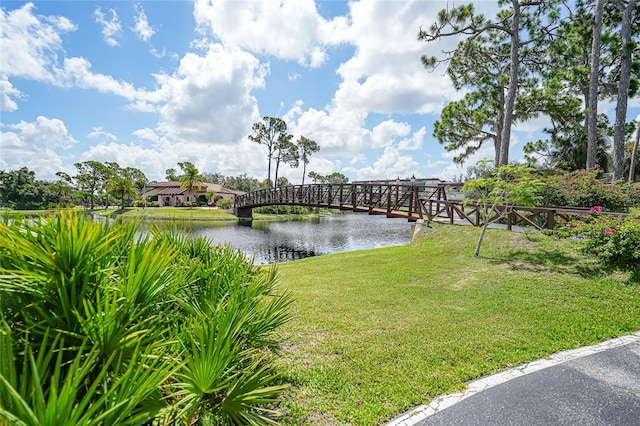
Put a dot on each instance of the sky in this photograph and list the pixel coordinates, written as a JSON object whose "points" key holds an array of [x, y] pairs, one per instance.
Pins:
{"points": [[149, 84]]}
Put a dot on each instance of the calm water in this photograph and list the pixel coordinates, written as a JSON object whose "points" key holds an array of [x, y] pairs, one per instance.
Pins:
{"points": [[272, 242]]}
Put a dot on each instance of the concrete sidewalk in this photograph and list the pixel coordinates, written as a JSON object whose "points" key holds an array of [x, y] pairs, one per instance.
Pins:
{"points": [[595, 385]]}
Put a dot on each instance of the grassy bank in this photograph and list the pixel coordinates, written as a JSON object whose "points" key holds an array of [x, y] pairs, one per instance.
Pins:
{"points": [[378, 332], [182, 213], [171, 213]]}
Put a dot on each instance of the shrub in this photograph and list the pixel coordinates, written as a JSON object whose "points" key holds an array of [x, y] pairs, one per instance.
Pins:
{"points": [[141, 203], [224, 203], [614, 240], [284, 209], [102, 325], [583, 189], [632, 191], [505, 186]]}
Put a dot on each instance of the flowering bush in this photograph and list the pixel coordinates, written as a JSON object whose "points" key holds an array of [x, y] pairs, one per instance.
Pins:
{"points": [[633, 192], [614, 240], [583, 189]]}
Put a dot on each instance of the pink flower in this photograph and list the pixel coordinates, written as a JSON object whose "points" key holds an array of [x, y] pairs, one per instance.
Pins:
{"points": [[609, 232], [583, 171], [594, 209], [596, 166]]}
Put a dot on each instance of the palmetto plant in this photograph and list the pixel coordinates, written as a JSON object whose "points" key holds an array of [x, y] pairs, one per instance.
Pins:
{"points": [[102, 324]]}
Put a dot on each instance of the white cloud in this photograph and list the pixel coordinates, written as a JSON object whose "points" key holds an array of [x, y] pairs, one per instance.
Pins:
{"points": [[30, 45], [343, 132], [389, 165], [339, 132], [111, 27], [99, 133], [385, 133], [286, 29], [32, 49], [149, 161], [77, 72], [146, 134], [35, 145], [230, 160], [208, 98], [8, 94], [142, 29], [385, 75], [414, 142]]}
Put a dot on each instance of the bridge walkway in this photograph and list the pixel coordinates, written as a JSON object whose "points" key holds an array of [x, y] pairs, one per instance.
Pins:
{"points": [[416, 199]]}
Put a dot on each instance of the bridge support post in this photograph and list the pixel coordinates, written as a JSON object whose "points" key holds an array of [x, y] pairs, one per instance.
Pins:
{"points": [[245, 215]]}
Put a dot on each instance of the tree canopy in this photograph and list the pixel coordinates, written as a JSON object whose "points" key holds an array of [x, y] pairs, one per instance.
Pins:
{"points": [[551, 60]]}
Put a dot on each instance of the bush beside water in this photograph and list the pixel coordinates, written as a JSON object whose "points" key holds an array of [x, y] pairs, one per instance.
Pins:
{"points": [[102, 325]]}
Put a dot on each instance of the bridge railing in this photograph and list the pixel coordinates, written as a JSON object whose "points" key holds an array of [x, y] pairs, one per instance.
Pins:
{"points": [[399, 198], [413, 200]]}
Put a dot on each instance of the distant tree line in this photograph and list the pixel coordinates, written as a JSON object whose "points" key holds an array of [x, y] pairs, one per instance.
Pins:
{"points": [[102, 184], [94, 183]]}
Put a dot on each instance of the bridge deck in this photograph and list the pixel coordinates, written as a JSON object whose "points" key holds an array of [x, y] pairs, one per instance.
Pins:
{"points": [[426, 199]]}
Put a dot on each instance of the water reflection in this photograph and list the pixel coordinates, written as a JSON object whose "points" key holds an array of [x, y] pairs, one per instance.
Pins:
{"points": [[280, 254], [273, 242]]}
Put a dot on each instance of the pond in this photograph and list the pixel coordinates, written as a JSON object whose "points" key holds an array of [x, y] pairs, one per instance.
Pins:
{"points": [[273, 242]]}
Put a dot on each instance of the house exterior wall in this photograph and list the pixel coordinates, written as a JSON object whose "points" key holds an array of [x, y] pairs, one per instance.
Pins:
{"points": [[174, 200], [171, 195]]}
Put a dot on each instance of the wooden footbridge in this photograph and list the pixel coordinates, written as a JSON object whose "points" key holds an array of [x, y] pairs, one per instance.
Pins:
{"points": [[415, 199]]}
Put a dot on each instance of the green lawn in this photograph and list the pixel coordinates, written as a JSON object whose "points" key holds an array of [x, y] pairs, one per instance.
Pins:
{"points": [[378, 332], [170, 213], [183, 213]]}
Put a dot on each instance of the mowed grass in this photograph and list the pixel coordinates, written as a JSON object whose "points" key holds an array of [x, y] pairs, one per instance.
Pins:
{"points": [[378, 332], [182, 213]]}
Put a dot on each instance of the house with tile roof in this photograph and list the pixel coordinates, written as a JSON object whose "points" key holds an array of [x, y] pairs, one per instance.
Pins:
{"points": [[172, 194]]}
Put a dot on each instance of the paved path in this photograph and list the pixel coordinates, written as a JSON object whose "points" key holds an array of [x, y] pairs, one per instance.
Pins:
{"points": [[595, 385]]}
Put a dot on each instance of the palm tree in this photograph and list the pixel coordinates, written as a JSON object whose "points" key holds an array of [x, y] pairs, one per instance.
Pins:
{"points": [[191, 177], [211, 195], [122, 187]]}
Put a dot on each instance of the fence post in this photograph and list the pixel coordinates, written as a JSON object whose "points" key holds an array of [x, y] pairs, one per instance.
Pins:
{"points": [[550, 219]]}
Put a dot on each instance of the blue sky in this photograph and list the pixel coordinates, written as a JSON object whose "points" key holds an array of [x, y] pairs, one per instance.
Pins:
{"points": [[149, 84]]}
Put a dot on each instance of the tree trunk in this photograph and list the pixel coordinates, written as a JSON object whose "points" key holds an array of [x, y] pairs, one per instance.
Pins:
{"points": [[634, 154], [304, 171], [269, 171], [479, 243], [505, 137], [592, 113], [499, 127], [623, 92]]}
